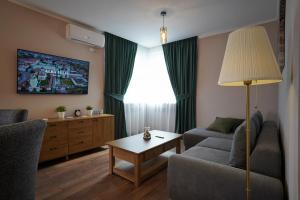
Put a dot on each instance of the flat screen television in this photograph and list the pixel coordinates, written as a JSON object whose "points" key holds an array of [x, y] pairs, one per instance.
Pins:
{"points": [[40, 73]]}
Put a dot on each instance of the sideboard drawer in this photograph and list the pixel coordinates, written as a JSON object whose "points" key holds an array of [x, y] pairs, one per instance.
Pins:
{"points": [[79, 132], [54, 126], [55, 137], [80, 144], [80, 123], [49, 152]]}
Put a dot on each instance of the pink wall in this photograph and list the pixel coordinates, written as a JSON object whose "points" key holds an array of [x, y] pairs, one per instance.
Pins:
{"points": [[213, 100], [26, 29]]}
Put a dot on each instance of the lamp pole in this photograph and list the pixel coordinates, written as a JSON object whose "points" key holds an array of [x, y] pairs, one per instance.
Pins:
{"points": [[247, 84], [244, 65]]}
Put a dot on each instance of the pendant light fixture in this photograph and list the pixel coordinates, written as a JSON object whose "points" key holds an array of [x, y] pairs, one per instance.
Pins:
{"points": [[163, 29]]}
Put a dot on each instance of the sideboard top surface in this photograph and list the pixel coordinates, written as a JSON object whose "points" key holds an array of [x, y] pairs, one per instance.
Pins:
{"points": [[50, 120]]}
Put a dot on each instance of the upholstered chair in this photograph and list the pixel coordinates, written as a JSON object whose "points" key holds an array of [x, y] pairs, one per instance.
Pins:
{"points": [[20, 145], [9, 116]]}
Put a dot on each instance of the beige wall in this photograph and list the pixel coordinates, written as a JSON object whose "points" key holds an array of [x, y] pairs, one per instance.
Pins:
{"points": [[213, 100], [26, 29], [289, 100]]}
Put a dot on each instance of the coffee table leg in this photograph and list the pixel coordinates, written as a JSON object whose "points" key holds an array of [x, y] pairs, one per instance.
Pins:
{"points": [[137, 171], [111, 160], [178, 151]]}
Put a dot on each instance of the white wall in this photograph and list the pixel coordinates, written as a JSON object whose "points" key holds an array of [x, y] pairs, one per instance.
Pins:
{"points": [[289, 100]]}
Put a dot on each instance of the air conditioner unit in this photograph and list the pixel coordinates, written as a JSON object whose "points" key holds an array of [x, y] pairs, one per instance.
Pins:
{"points": [[84, 36]]}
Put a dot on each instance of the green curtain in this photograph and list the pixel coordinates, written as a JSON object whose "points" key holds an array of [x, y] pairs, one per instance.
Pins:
{"points": [[119, 62], [181, 61]]}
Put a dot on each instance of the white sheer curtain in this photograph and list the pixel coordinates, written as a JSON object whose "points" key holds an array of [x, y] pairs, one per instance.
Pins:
{"points": [[149, 100]]}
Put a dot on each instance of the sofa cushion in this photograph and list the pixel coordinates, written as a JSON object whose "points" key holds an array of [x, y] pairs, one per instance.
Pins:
{"points": [[266, 157], [260, 117], [196, 135], [238, 149], [209, 154], [216, 143], [225, 125], [260, 120], [258, 123]]}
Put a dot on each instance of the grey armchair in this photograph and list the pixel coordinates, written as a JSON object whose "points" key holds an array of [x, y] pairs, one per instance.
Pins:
{"points": [[20, 145], [9, 116]]}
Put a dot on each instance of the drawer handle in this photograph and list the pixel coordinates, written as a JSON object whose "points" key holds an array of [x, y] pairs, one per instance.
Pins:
{"points": [[52, 149], [53, 137], [81, 142], [81, 121], [52, 125], [80, 132]]}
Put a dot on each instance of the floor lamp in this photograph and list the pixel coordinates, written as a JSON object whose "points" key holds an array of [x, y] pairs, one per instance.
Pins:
{"points": [[249, 60]]}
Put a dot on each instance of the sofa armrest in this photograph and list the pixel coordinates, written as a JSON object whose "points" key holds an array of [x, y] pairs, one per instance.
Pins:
{"points": [[193, 179]]}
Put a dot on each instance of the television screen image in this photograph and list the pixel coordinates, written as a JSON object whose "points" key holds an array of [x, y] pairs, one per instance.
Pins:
{"points": [[40, 73]]}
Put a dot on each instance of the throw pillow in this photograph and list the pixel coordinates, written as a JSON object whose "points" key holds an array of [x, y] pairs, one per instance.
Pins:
{"points": [[237, 157], [225, 125], [259, 119], [237, 124]]}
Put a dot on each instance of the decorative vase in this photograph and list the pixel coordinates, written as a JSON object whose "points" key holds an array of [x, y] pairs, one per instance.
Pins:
{"points": [[147, 134], [61, 115], [90, 113]]}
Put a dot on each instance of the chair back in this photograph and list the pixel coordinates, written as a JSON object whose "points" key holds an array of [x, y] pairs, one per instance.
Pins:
{"points": [[10, 116], [20, 145]]}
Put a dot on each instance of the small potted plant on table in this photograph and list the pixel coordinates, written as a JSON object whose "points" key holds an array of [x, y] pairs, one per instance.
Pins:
{"points": [[89, 110], [61, 111]]}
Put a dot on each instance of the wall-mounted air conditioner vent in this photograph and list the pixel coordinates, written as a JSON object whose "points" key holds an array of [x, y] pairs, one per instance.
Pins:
{"points": [[84, 36]]}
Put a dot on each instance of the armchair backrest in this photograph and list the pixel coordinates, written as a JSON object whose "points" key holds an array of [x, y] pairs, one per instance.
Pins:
{"points": [[20, 145], [10, 116]]}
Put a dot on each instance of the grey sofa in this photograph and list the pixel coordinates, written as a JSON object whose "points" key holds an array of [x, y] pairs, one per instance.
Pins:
{"points": [[20, 145], [207, 171], [9, 116]]}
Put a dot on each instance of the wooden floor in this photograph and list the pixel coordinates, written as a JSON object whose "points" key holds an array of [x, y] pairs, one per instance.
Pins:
{"points": [[86, 177]]}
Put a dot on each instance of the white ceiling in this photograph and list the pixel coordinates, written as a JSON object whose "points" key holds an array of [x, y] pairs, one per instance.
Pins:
{"points": [[140, 20]]}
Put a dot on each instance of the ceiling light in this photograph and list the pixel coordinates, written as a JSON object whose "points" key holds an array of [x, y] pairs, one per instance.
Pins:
{"points": [[163, 29]]}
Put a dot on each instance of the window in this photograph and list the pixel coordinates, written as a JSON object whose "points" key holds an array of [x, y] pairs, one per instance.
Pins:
{"points": [[149, 100], [150, 81]]}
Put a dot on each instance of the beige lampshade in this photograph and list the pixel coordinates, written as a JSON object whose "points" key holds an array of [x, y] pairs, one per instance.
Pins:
{"points": [[249, 57]]}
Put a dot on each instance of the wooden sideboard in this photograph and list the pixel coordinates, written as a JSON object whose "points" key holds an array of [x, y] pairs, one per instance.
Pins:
{"points": [[72, 135]]}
